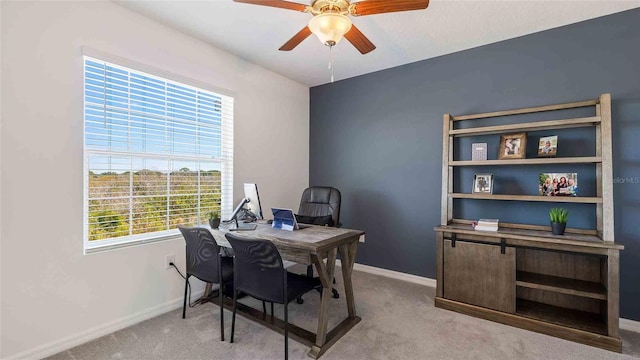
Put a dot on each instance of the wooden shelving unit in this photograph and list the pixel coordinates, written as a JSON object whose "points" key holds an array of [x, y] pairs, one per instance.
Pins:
{"points": [[565, 286]]}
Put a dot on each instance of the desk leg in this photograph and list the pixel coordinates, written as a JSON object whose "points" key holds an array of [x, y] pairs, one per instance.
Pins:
{"points": [[347, 258], [326, 278]]}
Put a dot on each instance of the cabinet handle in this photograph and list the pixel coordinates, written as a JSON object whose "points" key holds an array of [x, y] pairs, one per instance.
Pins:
{"points": [[503, 246], [453, 240]]}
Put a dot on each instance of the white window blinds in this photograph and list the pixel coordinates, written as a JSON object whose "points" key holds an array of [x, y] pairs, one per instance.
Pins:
{"points": [[158, 154]]}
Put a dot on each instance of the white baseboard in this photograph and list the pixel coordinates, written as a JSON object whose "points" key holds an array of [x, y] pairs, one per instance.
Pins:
{"points": [[625, 324], [630, 325], [82, 337]]}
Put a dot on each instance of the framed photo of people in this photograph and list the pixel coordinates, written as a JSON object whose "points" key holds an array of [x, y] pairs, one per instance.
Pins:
{"points": [[482, 184], [548, 146], [558, 184], [512, 146]]}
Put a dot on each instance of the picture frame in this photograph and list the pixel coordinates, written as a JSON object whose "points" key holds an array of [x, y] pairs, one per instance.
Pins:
{"points": [[512, 146], [479, 151], [548, 146], [482, 184], [558, 184]]}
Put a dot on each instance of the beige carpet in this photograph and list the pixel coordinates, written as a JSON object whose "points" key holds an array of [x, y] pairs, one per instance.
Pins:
{"points": [[399, 321]]}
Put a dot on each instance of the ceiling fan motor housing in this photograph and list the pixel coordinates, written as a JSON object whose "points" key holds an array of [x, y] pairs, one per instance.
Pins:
{"points": [[330, 6]]}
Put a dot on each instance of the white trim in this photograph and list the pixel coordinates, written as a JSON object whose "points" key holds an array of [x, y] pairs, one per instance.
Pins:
{"points": [[630, 325], [625, 324], [123, 245], [393, 274], [82, 337]]}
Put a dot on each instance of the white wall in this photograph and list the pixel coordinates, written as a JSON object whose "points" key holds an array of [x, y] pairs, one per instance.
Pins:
{"points": [[53, 296]]}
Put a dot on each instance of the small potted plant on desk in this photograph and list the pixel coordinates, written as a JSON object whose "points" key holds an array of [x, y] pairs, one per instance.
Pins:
{"points": [[558, 217], [214, 219]]}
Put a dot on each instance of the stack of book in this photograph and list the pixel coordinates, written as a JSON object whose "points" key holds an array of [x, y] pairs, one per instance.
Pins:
{"points": [[486, 225]]}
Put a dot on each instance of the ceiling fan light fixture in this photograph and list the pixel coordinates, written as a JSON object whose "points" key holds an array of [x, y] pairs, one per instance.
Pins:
{"points": [[330, 27]]}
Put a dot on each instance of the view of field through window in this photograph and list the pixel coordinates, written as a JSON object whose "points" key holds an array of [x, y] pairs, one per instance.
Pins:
{"points": [[154, 152], [135, 202]]}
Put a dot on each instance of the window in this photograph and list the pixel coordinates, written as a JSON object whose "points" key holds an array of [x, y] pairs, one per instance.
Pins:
{"points": [[157, 154]]}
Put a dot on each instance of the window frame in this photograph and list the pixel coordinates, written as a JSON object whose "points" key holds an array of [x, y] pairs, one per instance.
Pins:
{"points": [[225, 160]]}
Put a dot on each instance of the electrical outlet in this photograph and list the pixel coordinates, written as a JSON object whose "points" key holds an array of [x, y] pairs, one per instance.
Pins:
{"points": [[171, 258]]}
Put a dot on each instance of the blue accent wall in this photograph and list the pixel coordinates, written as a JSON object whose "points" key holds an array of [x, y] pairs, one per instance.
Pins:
{"points": [[378, 138]]}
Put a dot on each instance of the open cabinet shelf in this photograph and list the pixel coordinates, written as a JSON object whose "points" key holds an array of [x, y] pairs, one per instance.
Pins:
{"points": [[576, 319], [589, 289]]}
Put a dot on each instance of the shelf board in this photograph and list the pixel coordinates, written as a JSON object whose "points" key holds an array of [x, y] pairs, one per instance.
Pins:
{"points": [[536, 161], [555, 107], [516, 226], [531, 126], [588, 289], [561, 316], [529, 237], [557, 199]]}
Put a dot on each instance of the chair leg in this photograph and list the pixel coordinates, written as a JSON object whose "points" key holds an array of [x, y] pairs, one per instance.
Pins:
{"points": [[233, 317], [286, 332], [271, 310], [184, 303], [264, 310], [220, 297]]}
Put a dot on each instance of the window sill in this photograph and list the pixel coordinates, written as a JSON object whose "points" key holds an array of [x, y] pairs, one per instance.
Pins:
{"points": [[98, 248]]}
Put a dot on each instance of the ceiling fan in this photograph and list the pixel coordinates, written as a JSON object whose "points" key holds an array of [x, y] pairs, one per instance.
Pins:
{"points": [[330, 21]]}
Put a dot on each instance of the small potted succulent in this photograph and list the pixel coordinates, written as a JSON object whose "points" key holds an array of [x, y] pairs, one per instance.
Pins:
{"points": [[558, 217], [214, 219]]}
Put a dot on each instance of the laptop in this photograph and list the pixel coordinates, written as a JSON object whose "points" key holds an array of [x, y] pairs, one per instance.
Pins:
{"points": [[285, 219]]}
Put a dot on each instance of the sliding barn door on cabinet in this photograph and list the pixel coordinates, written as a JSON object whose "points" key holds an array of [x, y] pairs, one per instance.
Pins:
{"points": [[479, 274]]}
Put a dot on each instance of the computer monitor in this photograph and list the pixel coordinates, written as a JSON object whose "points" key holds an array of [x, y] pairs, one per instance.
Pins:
{"points": [[253, 200], [250, 204]]}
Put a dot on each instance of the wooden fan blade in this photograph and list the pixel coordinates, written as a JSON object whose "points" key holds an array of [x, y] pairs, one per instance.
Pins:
{"points": [[276, 3], [296, 39], [370, 7], [359, 41]]}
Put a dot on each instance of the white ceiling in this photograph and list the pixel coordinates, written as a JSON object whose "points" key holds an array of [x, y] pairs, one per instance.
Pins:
{"points": [[256, 32]]}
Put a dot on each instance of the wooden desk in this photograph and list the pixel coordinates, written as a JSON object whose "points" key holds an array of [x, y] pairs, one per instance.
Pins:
{"points": [[310, 246]]}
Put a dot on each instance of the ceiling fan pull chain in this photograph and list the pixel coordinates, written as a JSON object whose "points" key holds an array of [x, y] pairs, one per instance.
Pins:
{"points": [[331, 61]]}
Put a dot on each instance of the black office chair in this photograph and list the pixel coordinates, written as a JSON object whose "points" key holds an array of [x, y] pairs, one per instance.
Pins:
{"points": [[320, 205], [205, 262], [259, 272]]}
